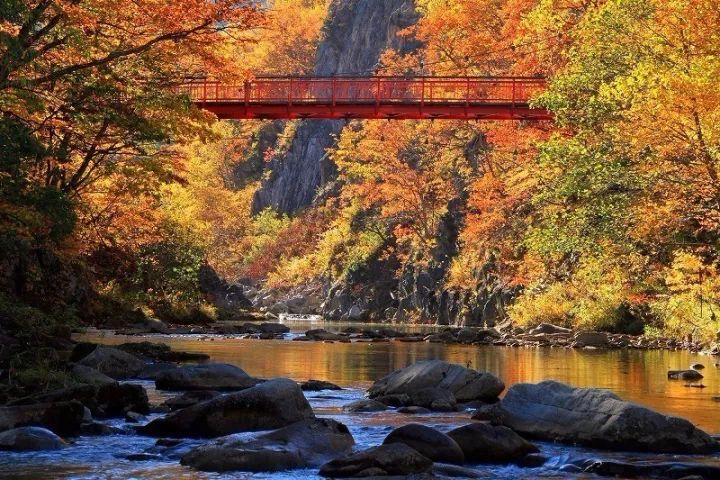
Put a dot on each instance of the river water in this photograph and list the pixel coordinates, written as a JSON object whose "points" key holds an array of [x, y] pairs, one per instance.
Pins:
{"points": [[635, 375]]}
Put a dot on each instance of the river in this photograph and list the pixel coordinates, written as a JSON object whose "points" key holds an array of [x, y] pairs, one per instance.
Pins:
{"points": [[635, 375]]}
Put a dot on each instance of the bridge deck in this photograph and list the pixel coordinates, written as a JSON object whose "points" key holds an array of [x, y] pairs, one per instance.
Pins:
{"points": [[466, 98]]}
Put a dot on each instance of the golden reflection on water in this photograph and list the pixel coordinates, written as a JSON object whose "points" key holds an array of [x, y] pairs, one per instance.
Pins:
{"points": [[640, 376]]}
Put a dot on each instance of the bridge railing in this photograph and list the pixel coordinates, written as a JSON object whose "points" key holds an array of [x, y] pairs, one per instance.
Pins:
{"points": [[367, 90]]}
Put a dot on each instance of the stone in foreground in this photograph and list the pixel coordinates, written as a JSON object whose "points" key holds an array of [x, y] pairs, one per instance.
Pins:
{"points": [[385, 460], [210, 376], [597, 418], [432, 443], [300, 445], [65, 418], [30, 438], [482, 442], [464, 383], [272, 404]]}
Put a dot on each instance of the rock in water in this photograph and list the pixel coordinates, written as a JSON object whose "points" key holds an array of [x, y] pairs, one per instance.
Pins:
{"points": [[30, 438], [364, 406], [211, 376], [113, 362], [684, 375], [432, 443], [392, 459], [598, 418], [482, 442], [464, 383], [272, 404], [65, 418], [318, 385], [188, 399], [300, 445]]}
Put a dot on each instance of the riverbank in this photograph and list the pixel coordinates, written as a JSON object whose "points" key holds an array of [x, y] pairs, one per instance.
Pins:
{"points": [[633, 374]]}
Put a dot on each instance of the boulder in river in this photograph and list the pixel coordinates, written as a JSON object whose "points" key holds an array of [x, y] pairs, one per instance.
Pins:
{"points": [[597, 418], [482, 442], [385, 460], [592, 339], [90, 376], [320, 334], [464, 383], [113, 362], [63, 418], [30, 438], [190, 398], [364, 406], [210, 376], [318, 385], [432, 443], [299, 445], [684, 375], [436, 399], [272, 404]]}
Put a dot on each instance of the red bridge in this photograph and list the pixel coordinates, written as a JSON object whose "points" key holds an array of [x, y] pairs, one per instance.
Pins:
{"points": [[464, 98]]}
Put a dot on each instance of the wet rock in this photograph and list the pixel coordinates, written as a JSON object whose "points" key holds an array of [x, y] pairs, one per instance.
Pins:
{"points": [[151, 371], [591, 339], [393, 459], [657, 470], [90, 376], [442, 337], [492, 413], [30, 438], [274, 328], [99, 428], [444, 470], [300, 445], [684, 375], [211, 376], [436, 399], [532, 460], [190, 398], [63, 418], [318, 385], [598, 418], [134, 417], [272, 404], [320, 334], [398, 400], [697, 366], [364, 406], [116, 399], [549, 328], [413, 410], [464, 383], [432, 443], [113, 362], [482, 442]]}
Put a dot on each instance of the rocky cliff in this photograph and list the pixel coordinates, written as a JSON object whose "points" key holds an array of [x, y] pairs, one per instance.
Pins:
{"points": [[355, 34]]}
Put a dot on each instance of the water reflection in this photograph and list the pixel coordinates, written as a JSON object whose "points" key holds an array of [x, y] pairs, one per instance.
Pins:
{"points": [[640, 376]]}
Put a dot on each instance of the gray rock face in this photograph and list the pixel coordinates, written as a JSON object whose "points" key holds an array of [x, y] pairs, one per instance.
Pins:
{"points": [[392, 459], [300, 445], [113, 362], [357, 31], [211, 376], [482, 442], [464, 383], [30, 438], [435, 445], [272, 404], [597, 418]]}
